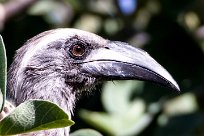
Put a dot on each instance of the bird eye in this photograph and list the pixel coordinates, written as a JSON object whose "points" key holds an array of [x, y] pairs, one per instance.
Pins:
{"points": [[78, 50]]}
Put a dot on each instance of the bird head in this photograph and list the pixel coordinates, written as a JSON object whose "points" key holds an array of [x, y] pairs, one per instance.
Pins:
{"points": [[59, 64]]}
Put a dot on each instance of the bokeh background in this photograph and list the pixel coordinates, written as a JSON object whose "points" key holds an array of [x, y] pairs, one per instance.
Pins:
{"points": [[171, 31]]}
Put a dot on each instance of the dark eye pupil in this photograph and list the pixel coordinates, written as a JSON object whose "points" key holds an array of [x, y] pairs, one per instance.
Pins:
{"points": [[78, 50]]}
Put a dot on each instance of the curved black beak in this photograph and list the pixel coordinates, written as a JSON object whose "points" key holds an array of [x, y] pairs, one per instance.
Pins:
{"points": [[119, 60]]}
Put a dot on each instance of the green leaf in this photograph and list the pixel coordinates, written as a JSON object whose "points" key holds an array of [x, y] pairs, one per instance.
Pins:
{"points": [[130, 123], [34, 115], [124, 116], [86, 132], [116, 96], [50, 13], [3, 73], [187, 101]]}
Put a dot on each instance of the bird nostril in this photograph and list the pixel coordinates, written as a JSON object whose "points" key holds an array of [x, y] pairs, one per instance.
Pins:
{"points": [[106, 47]]}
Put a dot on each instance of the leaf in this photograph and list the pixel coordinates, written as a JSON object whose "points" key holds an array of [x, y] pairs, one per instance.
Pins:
{"points": [[187, 101], [50, 13], [34, 115], [130, 123], [100, 120], [116, 96], [3, 73], [125, 116], [86, 132]]}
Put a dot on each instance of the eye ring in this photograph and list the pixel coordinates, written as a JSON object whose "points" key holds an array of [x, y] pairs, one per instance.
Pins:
{"points": [[77, 50]]}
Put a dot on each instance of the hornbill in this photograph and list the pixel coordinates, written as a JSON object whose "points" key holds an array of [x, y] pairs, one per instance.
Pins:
{"points": [[59, 65]]}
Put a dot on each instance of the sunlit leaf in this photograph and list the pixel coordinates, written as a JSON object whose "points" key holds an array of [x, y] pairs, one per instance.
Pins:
{"points": [[86, 132], [125, 116], [182, 104], [128, 124], [34, 115], [102, 121], [3, 73], [116, 96], [51, 12]]}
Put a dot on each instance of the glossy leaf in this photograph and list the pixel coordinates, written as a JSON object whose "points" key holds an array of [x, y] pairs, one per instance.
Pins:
{"points": [[34, 115]]}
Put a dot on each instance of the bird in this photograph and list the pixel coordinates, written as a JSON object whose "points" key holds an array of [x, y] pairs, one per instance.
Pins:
{"points": [[62, 64]]}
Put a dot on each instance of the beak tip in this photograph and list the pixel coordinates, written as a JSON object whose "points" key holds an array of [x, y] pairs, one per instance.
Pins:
{"points": [[177, 88], [173, 85]]}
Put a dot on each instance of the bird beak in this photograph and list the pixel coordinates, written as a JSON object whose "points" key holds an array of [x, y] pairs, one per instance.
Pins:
{"points": [[120, 61]]}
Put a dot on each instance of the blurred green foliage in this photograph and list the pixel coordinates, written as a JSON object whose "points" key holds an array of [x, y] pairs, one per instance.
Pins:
{"points": [[85, 132], [171, 31], [124, 116]]}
